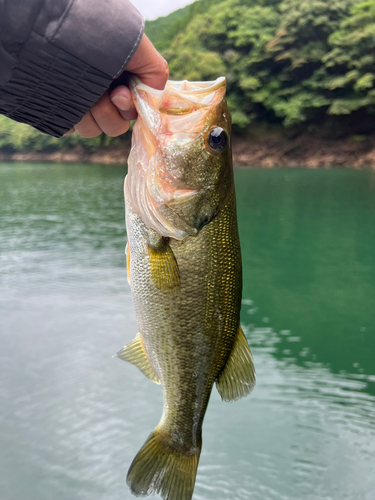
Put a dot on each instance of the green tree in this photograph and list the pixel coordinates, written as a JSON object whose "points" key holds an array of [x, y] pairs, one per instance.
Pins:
{"points": [[296, 55], [350, 64], [231, 37]]}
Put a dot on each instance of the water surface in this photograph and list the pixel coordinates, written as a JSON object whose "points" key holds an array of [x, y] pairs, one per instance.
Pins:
{"points": [[72, 418]]}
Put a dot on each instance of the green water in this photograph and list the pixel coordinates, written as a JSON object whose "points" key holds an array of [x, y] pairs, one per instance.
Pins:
{"points": [[72, 418], [308, 242]]}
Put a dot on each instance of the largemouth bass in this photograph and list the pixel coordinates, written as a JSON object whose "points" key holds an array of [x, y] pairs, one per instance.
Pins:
{"points": [[184, 269]]}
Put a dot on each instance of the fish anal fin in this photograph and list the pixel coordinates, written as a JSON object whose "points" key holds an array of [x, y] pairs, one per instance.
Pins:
{"points": [[159, 468], [237, 379], [135, 353], [165, 273]]}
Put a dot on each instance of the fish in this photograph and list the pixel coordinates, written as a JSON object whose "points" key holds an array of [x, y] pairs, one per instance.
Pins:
{"points": [[185, 273]]}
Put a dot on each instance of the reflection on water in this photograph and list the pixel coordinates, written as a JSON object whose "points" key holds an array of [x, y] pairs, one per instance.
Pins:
{"points": [[72, 418]]}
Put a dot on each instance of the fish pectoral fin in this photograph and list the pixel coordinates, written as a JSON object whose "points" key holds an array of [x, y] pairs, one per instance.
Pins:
{"points": [[237, 379], [165, 273], [127, 252], [135, 353]]}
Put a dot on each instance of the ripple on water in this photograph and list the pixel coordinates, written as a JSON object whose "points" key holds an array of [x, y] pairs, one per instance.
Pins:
{"points": [[308, 433]]}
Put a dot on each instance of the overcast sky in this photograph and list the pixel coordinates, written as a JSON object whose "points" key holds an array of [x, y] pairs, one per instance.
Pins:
{"points": [[151, 9]]}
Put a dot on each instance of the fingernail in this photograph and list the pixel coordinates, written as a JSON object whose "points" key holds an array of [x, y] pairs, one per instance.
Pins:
{"points": [[121, 102]]}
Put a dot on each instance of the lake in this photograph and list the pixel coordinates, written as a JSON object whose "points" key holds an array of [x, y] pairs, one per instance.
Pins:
{"points": [[72, 418]]}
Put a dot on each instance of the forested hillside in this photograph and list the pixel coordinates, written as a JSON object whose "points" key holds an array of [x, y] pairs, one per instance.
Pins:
{"points": [[297, 65], [163, 30], [292, 62]]}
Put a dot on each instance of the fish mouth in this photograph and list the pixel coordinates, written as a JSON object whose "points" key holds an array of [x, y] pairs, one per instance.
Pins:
{"points": [[196, 87], [178, 97], [184, 86]]}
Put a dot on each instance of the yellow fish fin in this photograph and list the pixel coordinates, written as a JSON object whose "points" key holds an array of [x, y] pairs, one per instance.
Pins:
{"points": [[160, 467], [135, 353], [165, 273], [237, 379], [127, 251]]}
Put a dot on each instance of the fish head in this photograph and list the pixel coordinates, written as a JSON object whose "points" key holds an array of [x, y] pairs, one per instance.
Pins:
{"points": [[180, 165]]}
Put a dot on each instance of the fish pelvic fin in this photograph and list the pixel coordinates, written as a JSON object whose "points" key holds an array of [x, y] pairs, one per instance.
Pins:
{"points": [[165, 273], [135, 353], [159, 469], [237, 379]]}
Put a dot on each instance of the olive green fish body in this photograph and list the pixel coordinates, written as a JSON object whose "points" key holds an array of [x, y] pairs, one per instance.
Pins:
{"points": [[184, 268], [188, 333]]}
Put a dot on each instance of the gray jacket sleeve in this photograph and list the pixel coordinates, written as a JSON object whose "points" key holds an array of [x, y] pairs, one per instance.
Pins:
{"points": [[57, 57]]}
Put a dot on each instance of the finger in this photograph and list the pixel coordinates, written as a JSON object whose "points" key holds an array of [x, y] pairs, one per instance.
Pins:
{"points": [[149, 65], [108, 118], [122, 99], [87, 127]]}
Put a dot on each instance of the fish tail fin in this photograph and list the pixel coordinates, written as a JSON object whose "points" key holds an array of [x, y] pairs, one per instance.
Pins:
{"points": [[159, 469]]}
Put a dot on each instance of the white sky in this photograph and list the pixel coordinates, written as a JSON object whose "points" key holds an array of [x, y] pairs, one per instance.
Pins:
{"points": [[151, 9]]}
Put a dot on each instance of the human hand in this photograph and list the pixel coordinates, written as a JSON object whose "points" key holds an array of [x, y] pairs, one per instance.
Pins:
{"points": [[112, 113]]}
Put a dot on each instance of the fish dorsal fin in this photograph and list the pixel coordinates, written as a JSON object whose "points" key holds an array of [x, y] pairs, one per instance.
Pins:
{"points": [[237, 379], [165, 273], [135, 353]]}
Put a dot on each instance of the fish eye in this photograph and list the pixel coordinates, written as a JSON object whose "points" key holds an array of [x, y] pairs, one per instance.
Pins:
{"points": [[217, 139]]}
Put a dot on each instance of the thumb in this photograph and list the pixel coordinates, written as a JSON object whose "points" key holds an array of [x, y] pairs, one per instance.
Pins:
{"points": [[149, 65]]}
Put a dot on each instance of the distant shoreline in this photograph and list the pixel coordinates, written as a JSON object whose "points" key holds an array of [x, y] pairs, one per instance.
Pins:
{"points": [[268, 151]]}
